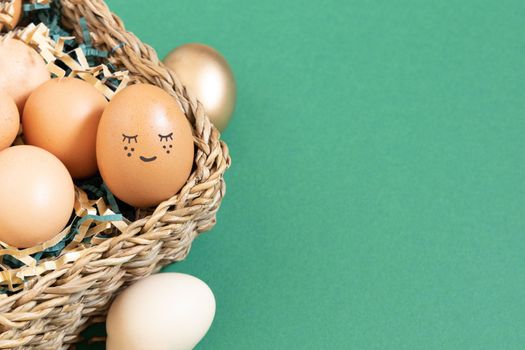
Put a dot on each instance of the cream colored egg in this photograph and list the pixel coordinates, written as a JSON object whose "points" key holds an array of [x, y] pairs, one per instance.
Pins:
{"points": [[167, 311]]}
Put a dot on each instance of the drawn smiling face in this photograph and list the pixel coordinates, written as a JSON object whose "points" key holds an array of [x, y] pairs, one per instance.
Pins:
{"points": [[129, 149], [144, 146]]}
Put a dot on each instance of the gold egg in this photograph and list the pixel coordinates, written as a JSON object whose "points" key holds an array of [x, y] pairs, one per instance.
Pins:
{"points": [[208, 76]]}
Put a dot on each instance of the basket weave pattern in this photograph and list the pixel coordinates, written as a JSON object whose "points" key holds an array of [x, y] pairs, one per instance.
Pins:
{"points": [[55, 307]]}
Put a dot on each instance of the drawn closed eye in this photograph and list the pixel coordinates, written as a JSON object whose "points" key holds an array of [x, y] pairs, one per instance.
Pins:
{"points": [[166, 137], [129, 138]]}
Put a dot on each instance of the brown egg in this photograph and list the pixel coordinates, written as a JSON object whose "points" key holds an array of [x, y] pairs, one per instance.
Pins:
{"points": [[9, 120], [22, 70], [144, 146], [61, 116], [36, 196], [14, 17], [206, 74]]}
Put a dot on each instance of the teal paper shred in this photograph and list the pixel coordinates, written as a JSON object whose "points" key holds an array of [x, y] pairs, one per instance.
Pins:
{"points": [[35, 7], [114, 83], [111, 199], [121, 45], [11, 261], [85, 31], [92, 189], [51, 18], [89, 51], [104, 192], [97, 218], [92, 52]]}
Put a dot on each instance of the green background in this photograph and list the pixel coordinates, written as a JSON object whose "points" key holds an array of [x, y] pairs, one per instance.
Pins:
{"points": [[376, 195]]}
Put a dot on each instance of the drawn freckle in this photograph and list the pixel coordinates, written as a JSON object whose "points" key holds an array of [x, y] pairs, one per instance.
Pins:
{"points": [[125, 148], [129, 154], [132, 150], [168, 152], [171, 146], [164, 146]]}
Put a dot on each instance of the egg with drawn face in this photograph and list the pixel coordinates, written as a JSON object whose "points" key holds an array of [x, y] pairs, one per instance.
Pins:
{"points": [[144, 146]]}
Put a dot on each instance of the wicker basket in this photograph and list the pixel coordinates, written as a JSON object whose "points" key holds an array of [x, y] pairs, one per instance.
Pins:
{"points": [[55, 307]]}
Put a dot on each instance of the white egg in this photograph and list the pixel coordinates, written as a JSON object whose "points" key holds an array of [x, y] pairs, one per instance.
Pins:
{"points": [[167, 311]]}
